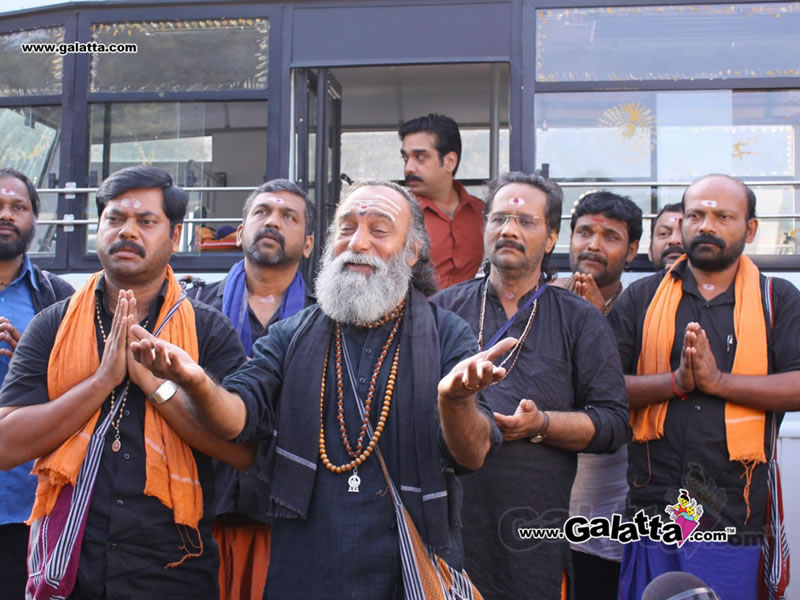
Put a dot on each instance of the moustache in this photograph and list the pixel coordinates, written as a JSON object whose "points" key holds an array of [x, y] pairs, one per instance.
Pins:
{"points": [[10, 226], [350, 257], [126, 245], [273, 233], [672, 250], [509, 244], [410, 178], [707, 238], [599, 258]]}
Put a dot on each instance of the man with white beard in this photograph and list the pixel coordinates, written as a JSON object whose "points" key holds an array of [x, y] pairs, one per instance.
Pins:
{"points": [[373, 339]]}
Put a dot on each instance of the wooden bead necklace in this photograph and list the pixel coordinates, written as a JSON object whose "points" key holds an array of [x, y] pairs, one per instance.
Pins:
{"points": [[360, 454], [517, 349], [116, 444]]}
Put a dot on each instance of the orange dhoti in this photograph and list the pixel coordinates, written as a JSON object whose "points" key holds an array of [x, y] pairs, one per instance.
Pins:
{"points": [[243, 559]]}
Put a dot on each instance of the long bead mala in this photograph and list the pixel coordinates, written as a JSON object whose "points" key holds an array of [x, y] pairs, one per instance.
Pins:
{"points": [[360, 454]]}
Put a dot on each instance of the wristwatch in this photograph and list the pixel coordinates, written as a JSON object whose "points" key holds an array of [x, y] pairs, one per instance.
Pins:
{"points": [[163, 393], [538, 437]]}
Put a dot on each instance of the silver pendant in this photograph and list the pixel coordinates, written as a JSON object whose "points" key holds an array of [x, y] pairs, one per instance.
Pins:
{"points": [[354, 481]]}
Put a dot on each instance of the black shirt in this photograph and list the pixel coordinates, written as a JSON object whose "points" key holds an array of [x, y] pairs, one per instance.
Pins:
{"points": [[211, 294], [130, 537], [568, 362], [239, 494], [693, 453]]}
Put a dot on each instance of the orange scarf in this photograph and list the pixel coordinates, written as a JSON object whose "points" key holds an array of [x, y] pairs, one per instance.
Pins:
{"points": [[744, 426], [170, 468]]}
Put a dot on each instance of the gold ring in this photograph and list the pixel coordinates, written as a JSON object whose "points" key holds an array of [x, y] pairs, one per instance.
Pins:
{"points": [[471, 389]]}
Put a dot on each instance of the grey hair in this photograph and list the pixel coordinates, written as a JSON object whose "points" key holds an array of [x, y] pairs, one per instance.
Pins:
{"points": [[282, 185], [423, 276]]}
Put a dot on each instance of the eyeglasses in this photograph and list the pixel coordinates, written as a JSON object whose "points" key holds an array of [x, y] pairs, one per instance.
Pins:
{"points": [[501, 220]]}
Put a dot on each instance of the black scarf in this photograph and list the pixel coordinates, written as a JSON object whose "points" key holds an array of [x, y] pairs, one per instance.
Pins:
{"points": [[415, 406]]}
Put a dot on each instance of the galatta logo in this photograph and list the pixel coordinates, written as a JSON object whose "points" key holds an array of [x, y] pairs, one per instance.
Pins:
{"points": [[684, 519], [686, 513]]}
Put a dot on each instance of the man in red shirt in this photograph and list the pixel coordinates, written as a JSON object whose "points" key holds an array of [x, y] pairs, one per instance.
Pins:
{"points": [[431, 153]]}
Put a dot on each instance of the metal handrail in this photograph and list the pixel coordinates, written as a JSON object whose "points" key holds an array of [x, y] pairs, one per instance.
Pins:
{"points": [[239, 219], [768, 183], [89, 190], [94, 221], [614, 184]]}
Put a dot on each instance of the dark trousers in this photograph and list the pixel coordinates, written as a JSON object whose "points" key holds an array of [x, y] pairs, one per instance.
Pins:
{"points": [[594, 578], [13, 558]]}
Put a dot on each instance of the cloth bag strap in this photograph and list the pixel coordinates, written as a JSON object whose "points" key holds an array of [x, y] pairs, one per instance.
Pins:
{"points": [[425, 575]]}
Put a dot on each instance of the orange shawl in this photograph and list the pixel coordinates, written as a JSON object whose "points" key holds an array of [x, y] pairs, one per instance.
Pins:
{"points": [[744, 426], [171, 471]]}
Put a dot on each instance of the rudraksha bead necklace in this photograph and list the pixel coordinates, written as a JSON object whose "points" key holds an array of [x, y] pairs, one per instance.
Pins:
{"points": [[116, 444], [360, 454]]}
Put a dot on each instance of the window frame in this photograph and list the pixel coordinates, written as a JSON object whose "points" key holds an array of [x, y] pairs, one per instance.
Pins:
{"points": [[560, 260]]}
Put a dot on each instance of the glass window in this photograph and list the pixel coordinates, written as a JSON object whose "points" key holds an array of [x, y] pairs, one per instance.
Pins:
{"points": [[30, 63], [200, 144], [605, 137], [376, 154], [635, 43], [30, 144], [211, 54]]}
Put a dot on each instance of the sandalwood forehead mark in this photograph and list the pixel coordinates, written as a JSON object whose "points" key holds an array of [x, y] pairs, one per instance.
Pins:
{"points": [[515, 201], [131, 202], [709, 203], [7, 192]]}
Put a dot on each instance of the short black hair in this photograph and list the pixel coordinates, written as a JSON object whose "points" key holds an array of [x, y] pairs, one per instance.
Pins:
{"points": [[748, 192], [145, 177], [555, 201], [448, 137], [612, 206], [674, 207], [283, 185], [32, 193]]}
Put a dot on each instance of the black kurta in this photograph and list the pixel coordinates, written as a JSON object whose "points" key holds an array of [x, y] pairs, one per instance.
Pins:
{"points": [[568, 363]]}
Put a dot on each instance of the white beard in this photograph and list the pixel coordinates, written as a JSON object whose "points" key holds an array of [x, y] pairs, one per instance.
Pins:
{"points": [[357, 299]]}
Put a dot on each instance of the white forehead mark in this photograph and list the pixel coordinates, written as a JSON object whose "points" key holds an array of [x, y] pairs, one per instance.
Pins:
{"points": [[378, 202], [674, 219], [515, 201], [708, 286], [7, 192], [711, 203], [131, 203]]}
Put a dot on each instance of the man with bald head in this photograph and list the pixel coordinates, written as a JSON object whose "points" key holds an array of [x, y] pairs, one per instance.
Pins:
{"points": [[712, 363], [374, 364]]}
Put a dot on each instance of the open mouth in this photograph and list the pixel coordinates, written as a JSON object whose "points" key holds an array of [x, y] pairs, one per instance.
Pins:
{"points": [[359, 268]]}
